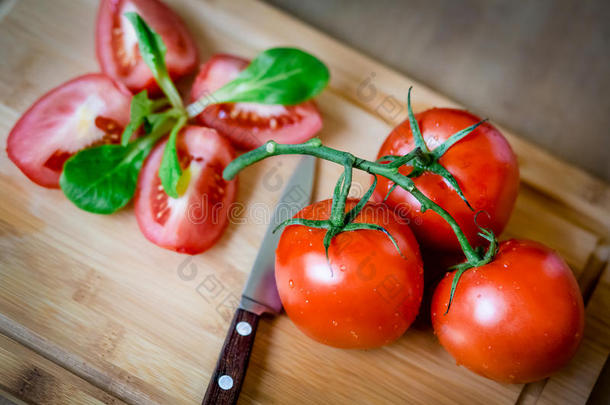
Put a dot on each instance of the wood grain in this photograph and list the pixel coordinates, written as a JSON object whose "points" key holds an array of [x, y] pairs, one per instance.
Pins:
{"points": [[29, 377], [150, 323]]}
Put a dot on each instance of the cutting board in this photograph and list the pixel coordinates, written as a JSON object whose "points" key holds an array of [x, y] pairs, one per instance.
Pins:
{"points": [[91, 312]]}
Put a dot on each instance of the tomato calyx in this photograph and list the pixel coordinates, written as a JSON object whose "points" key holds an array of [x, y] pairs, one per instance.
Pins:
{"points": [[341, 221], [486, 256], [421, 159]]}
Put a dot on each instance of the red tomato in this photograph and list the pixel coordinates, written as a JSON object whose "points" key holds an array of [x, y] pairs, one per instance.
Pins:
{"points": [[87, 111], [117, 45], [249, 125], [194, 221], [483, 164], [371, 295], [517, 319]]}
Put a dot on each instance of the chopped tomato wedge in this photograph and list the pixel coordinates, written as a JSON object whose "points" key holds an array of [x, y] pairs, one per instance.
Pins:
{"points": [[249, 125], [195, 220], [87, 111], [117, 43]]}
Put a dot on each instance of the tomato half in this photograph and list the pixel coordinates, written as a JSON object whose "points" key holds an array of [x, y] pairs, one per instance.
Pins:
{"points": [[517, 319], [117, 44], [369, 295], [249, 125], [87, 111], [194, 221], [483, 164]]}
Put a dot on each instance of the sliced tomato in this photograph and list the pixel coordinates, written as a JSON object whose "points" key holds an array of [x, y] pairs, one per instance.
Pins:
{"points": [[117, 44], [87, 111], [194, 221], [249, 125]]}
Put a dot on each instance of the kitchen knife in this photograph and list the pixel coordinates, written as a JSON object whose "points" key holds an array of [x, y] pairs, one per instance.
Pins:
{"points": [[260, 293]]}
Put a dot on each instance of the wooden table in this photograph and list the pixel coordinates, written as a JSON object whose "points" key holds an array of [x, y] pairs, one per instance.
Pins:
{"points": [[91, 312]]}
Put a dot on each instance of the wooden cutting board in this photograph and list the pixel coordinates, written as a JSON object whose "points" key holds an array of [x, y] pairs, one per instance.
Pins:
{"points": [[90, 312]]}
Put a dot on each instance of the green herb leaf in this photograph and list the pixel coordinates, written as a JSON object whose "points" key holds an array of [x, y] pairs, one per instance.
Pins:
{"points": [[285, 76], [170, 171], [141, 106], [103, 179], [153, 52]]}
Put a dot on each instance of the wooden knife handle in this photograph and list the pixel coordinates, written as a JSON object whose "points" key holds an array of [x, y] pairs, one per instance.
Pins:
{"points": [[225, 384]]}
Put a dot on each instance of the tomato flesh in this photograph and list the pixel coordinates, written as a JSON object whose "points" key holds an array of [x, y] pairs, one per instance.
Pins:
{"points": [[87, 111], [249, 125], [117, 44], [370, 294], [517, 319], [483, 164], [192, 222]]}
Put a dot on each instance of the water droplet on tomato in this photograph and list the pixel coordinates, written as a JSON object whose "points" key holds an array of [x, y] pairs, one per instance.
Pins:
{"points": [[342, 267], [307, 301], [489, 347], [335, 323], [505, 266], [354, 334], [291, 284]]}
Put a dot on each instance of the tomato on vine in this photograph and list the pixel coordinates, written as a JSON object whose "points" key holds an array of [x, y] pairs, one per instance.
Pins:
{"points": [[366, 293], [463, 164], [516, 319]]}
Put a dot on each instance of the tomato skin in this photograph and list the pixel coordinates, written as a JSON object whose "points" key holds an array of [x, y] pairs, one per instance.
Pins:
{"points": [[483, 164], [249, 125], [193, 222], [372, 294], [517, 319], [127, 66], [52, 129]]}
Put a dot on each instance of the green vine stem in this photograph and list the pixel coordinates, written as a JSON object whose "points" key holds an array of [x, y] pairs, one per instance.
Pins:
{"points": [[315, 148]]}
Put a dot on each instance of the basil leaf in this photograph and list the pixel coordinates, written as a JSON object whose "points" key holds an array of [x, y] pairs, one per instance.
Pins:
{"points": [[103, 179], [153, 52], [141, 107], [285, 76], [170, 171]]}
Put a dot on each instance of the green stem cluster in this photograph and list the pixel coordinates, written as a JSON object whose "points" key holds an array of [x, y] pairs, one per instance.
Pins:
{"points": [[315, 148]]}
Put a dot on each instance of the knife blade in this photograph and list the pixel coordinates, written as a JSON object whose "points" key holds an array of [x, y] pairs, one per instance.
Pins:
{"points": [[260, 292]]}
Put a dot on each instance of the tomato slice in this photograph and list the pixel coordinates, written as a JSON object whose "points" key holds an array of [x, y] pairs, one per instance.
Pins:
{"points": [[117, 44], [194, 221], [89, 110], [249, 125]]}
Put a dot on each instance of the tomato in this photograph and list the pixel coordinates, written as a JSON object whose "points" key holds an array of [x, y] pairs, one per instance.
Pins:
{"points": [[249, 125], [87, 111], [483, 164], [117, 45], [516, 319], [369, 297], [194, 221]]}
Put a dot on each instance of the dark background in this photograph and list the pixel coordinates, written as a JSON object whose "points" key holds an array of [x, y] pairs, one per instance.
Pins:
{"points": [[540, 68]]}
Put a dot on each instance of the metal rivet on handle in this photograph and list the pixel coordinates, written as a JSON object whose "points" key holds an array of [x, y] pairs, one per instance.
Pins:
{"points": [[225, 382], [243, 328]]}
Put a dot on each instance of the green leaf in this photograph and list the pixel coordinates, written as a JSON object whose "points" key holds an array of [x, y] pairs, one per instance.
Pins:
{"points": [[103, 179], [141, 107], [285, 76], [153, 52], [170, 171]]}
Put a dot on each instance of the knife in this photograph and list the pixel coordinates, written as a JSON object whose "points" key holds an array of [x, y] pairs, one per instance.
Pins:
{"points": [[260, 294]]}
